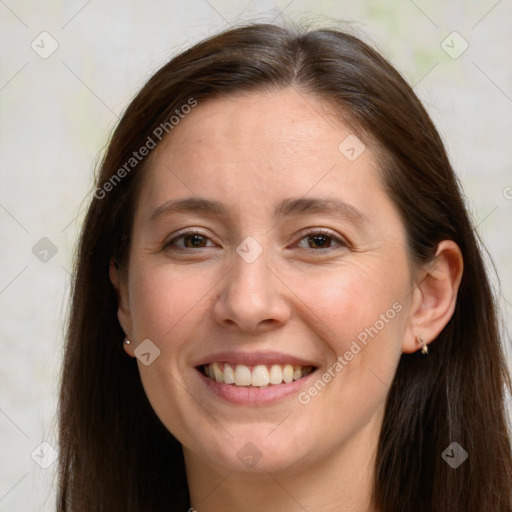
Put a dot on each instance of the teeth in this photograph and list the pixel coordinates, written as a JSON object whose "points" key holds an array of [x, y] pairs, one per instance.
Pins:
{"points": [[288, 373], [259, 376], [229, 374], [276, 374], [242, 375], [217, 372]]}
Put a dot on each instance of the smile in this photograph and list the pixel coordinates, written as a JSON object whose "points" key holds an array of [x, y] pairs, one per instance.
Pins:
{"points": [[259, 375]]}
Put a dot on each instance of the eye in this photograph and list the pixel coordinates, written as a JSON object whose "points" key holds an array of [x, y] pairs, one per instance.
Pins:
{"points": [[321, 239], [189, 240]]}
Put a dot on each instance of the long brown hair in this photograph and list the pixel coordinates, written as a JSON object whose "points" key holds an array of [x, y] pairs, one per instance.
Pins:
{"points": [[115, 454]]}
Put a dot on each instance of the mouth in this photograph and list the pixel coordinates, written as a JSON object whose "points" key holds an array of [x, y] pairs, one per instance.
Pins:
{"points": [[255, 376]]}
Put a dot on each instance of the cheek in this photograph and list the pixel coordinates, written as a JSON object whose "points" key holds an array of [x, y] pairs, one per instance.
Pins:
{"points": [[356, 302], [361, 312], [165, 304], [162, 298]]}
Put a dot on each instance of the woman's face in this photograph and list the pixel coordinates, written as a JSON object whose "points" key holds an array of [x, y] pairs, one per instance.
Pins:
{"points": [[264, 251]]}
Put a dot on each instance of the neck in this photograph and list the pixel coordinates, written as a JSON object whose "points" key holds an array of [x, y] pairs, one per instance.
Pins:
{"points": [[340, 481]]}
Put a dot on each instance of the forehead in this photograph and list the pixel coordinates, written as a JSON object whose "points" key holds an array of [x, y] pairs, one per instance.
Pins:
{"points": [[285, 119], [264, 146]]}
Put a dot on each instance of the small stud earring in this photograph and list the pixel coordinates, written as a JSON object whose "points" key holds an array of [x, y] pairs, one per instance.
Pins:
{"points": [[424, 346], [127, 342]]}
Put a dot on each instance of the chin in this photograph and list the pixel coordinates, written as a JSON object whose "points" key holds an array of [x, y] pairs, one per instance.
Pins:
{"points": [[252, 449]]}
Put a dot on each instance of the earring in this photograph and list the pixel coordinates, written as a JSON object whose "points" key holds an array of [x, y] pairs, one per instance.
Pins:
{"points": [[424, 346], [127, 342]]}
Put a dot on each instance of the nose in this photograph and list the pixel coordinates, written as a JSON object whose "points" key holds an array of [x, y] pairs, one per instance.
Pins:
{"points": [[252, 298]]}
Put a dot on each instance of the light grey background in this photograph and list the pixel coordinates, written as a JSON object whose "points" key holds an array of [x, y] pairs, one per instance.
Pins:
{"points": [[57, 113]]}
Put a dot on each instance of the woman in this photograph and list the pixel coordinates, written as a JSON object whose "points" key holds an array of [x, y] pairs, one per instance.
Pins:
{"points": [[279, 244]]}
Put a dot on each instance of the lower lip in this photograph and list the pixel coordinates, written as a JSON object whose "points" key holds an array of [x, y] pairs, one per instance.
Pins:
{"points": [[251, 395]]}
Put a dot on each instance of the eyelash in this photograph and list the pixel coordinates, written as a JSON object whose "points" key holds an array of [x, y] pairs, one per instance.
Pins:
{"points": [[337, 239]]}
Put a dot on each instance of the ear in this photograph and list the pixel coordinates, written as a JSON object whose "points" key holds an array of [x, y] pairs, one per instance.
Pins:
{"points": [[123, 303], [434, 296]]}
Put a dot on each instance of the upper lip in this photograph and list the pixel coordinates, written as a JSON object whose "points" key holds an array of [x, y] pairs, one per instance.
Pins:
{"points": [[253, 358]]}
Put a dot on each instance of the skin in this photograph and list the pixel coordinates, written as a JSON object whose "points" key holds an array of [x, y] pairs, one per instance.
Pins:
{"points": [[250, 152]]}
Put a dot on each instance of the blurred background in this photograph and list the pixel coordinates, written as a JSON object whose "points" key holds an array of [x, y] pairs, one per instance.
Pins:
{"points": [[67, 72]]}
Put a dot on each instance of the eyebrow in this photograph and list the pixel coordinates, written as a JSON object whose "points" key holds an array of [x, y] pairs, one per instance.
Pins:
{"points": [[189, 204], [286, 207], [320, 205]]}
